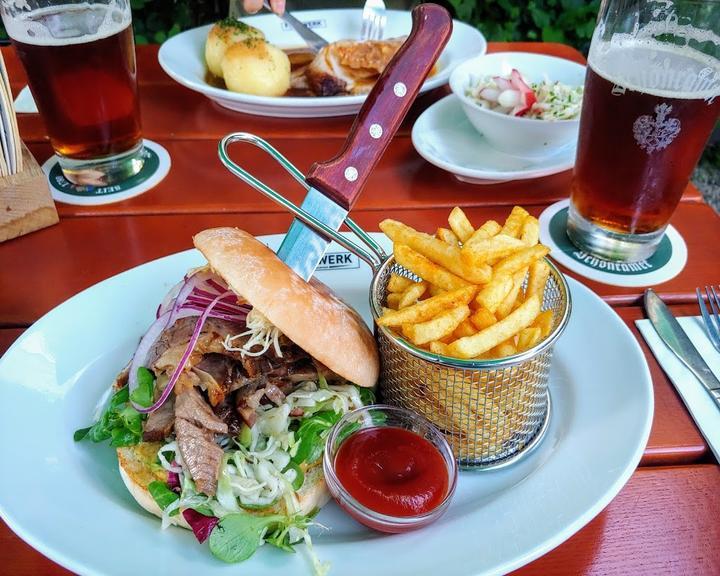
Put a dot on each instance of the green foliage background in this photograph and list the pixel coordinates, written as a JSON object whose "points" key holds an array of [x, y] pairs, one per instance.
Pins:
{"points": [[567, 21]]}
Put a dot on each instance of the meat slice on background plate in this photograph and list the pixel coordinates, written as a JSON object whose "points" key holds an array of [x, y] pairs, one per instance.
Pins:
{"points": [[350, 67]]}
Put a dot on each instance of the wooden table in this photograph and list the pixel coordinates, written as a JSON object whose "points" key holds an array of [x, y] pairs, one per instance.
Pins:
{"points": [[663, 521]]}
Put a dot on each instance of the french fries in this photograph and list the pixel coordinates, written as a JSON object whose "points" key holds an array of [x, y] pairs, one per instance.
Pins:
{"points": [[479, 295], [460, 224], [412, 294], [545, 322], [438, 327], [398, 283], [427, 269], [473, 346], [514, 223], [427, 309], [480, 290], [447, 236], [435, 250], [539, 272], [530, 231], [512, 297], [520, 259], [481, 250], [494, 292]]}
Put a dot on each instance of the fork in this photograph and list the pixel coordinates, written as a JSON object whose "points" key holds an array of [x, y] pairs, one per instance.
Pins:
{"points": [[711, 317], [373, 20]]}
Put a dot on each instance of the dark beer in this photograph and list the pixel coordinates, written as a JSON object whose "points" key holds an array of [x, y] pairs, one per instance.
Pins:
{"points": [[81, 71], [647, 112]]}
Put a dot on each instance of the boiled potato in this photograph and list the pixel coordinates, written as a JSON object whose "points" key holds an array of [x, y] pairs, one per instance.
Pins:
{"points": [[256, 67], [223, 35]]}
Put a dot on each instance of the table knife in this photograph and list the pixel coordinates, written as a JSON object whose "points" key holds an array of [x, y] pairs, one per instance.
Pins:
{"points": [[314, 41], [335, 185], [670, 332]]}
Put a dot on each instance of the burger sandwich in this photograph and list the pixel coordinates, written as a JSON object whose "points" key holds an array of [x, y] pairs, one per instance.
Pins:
{"points": [[220, 418]]}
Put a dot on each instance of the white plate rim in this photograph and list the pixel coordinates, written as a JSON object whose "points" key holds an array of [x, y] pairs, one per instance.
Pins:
{"points": [[541, 548], [469, 173], [306, 106]]}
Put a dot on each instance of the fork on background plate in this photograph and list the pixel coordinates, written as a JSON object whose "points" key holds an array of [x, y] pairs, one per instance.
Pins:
{"points": [[711, 317], [373, 20]]}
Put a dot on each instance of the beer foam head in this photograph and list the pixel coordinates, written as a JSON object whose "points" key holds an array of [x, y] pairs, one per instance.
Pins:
{"points": [[62, 25], [670, 69]]}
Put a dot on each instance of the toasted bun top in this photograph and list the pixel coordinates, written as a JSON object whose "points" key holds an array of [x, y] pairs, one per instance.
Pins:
{"points": [[308, 313]]}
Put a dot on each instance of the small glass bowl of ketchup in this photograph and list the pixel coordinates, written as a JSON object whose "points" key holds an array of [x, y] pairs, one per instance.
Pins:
{"points": [[389, 468]]}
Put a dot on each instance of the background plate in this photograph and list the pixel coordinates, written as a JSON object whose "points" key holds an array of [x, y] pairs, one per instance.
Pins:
{"points": [[444, 136], [68, 501], [183, 58]]}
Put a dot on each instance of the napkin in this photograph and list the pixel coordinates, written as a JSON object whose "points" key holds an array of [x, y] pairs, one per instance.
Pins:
{"points": [[703, 410], [24, 103]]}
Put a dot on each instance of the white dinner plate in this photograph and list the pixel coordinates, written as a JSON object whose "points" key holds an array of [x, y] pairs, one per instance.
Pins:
{"points": [[183, 58], [444, 137], [67, 500]]}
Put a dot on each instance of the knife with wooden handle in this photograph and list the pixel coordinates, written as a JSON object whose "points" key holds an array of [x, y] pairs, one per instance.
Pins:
{"points": [[335, 185]]}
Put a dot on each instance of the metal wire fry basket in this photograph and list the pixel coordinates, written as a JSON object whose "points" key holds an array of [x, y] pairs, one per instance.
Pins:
{"points": [[491, 411]]}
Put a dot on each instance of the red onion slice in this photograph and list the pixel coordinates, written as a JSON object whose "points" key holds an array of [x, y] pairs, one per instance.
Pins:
{"points": [[170, 299], [195, 281], [143, 349], [183, 360]]}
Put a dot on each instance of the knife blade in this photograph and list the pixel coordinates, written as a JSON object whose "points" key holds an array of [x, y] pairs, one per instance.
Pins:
{"points": [[314, 41], [335, 185], [674, 337]]}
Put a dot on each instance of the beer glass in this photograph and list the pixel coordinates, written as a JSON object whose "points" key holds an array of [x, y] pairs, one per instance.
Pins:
{"points": [[80, 61], [652, 97]]}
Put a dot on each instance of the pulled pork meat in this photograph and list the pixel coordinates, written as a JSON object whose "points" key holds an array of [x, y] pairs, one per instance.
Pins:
{"points": [[195, 429], [218, 390]]}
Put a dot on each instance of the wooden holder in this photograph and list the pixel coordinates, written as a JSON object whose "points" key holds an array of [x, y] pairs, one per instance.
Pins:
{"points": [[25, 201]]}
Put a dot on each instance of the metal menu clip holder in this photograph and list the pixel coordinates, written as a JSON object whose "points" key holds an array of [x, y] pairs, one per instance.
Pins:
{"points": [[507, 397]]}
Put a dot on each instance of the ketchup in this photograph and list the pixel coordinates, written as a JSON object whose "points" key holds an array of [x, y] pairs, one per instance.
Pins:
{"points": [[392, 471]]}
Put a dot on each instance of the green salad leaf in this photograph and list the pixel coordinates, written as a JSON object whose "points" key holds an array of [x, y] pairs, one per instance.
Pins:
{"points": [[311, 435], [367, 395], [299, 475], [237, 536], [120, 423], [162, 495], [144, 393]]}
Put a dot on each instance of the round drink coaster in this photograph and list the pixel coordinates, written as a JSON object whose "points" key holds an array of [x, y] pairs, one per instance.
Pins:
{"points": [[155, 168], [667, 262]]}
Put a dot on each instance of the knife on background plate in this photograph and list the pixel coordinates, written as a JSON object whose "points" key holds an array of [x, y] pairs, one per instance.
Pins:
{"points": [[670, 331], [335, 185], [314, 41]]}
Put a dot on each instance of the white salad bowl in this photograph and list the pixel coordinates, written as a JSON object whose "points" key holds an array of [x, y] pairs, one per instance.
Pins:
{"points": [[516, 135]]}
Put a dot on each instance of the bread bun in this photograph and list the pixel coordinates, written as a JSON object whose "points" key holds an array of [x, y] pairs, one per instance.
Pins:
{"points": [[256, 67], [308, 313], [223, 35], [137, 469]]}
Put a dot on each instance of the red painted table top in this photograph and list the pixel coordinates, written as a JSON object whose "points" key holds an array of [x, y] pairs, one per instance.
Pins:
{"points": [[663, 521]]}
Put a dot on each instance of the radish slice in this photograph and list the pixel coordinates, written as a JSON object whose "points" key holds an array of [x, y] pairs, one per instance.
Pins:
{"points": [[490, 94], [527, 96], [509, 98], [502, 83]]}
